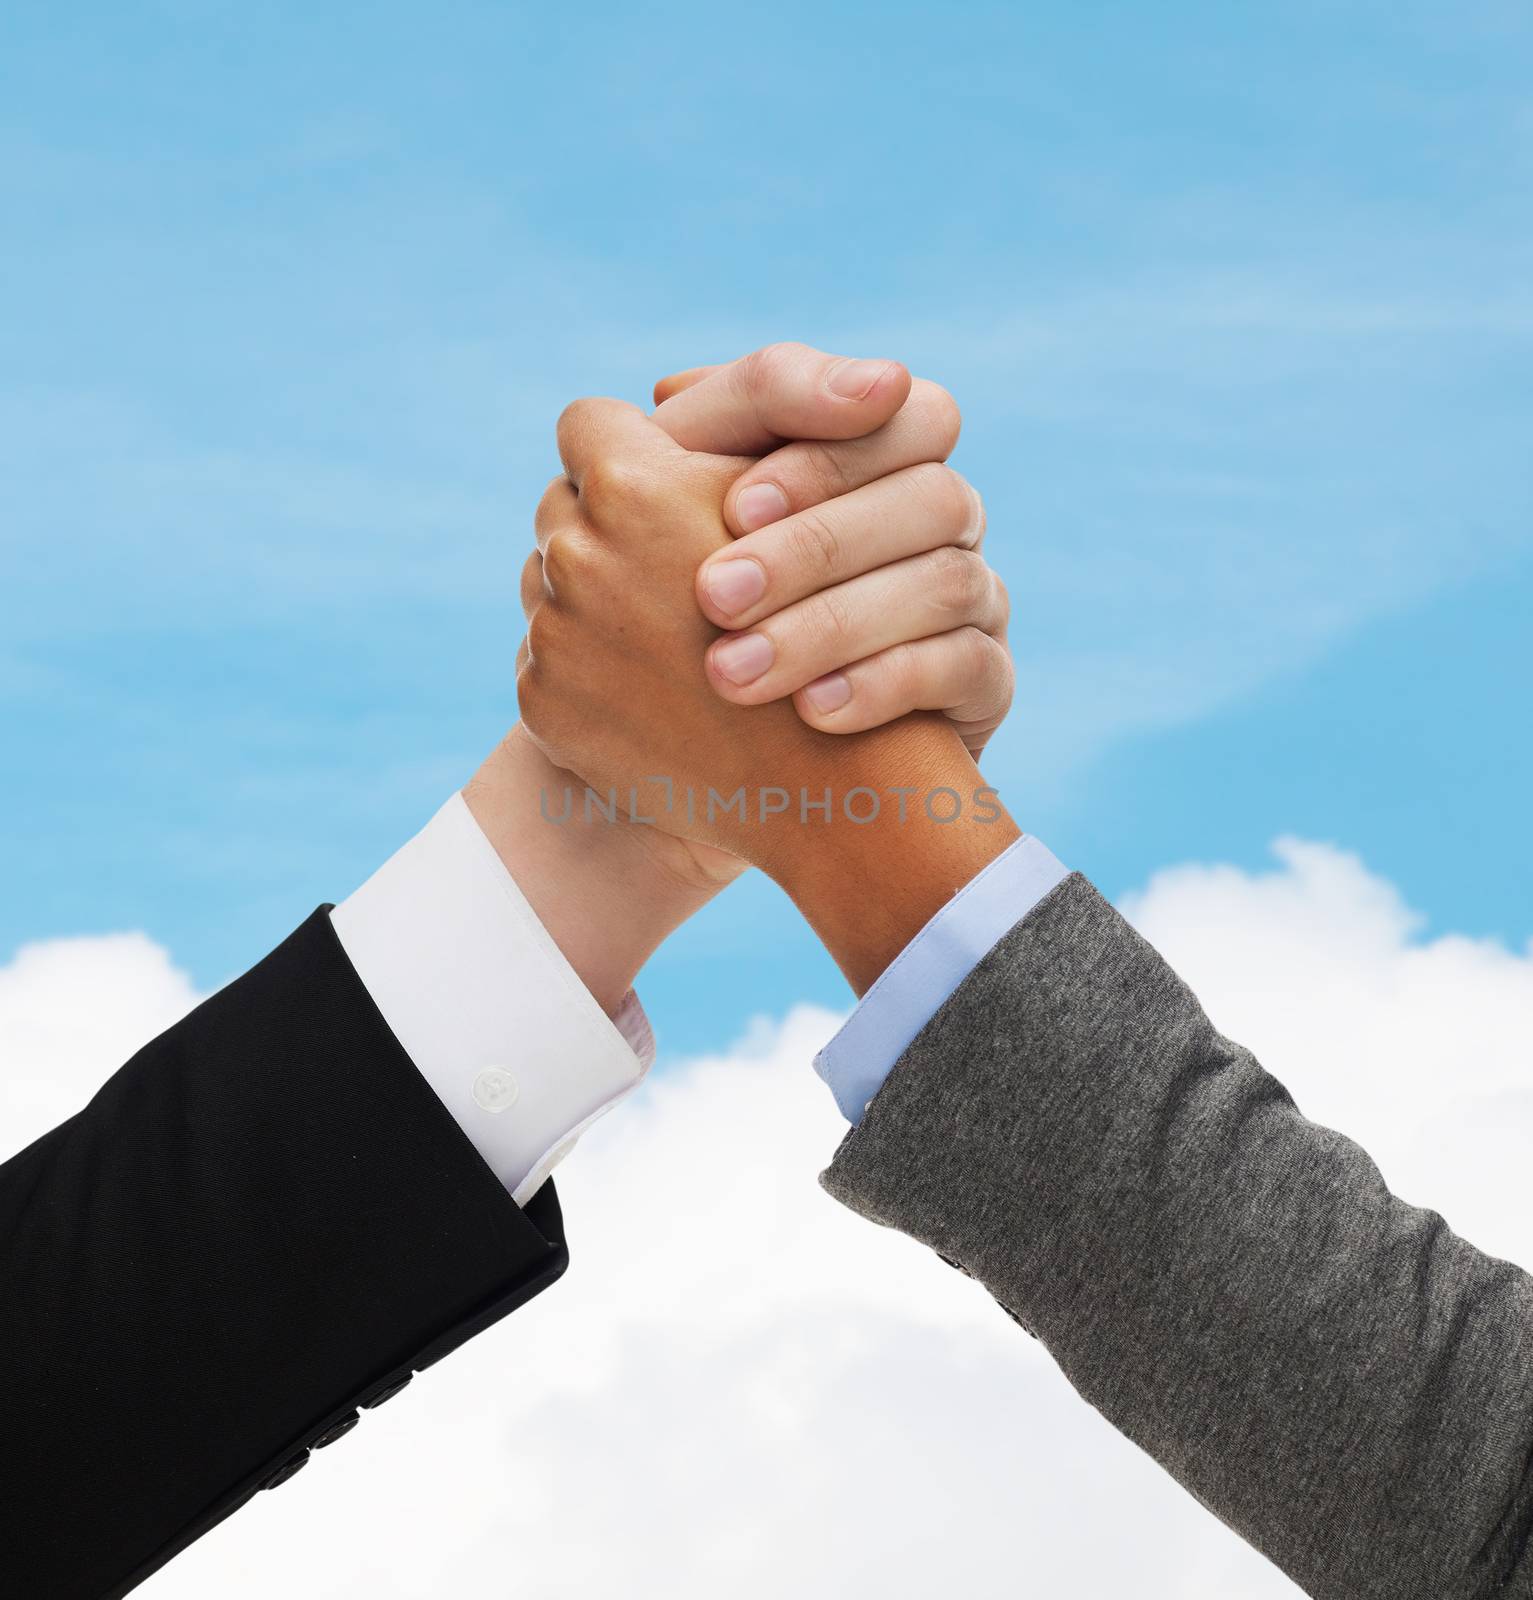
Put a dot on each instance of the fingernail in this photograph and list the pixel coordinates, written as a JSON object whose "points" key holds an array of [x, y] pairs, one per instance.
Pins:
{"points": [[734, 585], [829, 693], [852, 379], [743, 660], [760, 504]]}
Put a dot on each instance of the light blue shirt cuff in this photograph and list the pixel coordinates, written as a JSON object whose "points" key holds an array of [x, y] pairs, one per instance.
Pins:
{"points": [[915, 987]]}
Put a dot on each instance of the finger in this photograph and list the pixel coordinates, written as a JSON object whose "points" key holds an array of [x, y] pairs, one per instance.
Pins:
{"points": [[810, 471], [603, 436], [559, 508], [786, 391], [966, 674], [910, 511], [912, 599], [533, 589], [678, 381]]}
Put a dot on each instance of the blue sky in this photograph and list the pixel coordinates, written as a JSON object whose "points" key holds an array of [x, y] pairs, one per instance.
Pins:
{"points": [[1236, 300]]}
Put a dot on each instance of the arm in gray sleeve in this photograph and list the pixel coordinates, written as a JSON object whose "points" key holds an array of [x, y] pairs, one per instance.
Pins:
{"points": [[1331, 1371]]}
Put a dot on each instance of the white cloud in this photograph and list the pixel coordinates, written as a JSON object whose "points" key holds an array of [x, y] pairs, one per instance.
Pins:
{"points": [[1422, 1049], [71, 1009], [742, 1388]]}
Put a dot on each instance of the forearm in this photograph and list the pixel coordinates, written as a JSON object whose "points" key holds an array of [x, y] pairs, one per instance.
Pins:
{"points": [[867, 889], [242, 1178], [607, 896], [500, 945], [1332, 1371], [262, 1221]]}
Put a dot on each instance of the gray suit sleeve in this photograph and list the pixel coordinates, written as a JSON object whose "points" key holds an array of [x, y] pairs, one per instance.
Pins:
{"points": [[1331, 1371]]}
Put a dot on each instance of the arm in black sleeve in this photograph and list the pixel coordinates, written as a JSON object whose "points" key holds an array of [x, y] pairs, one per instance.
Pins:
{"points": [[265, 1220]]}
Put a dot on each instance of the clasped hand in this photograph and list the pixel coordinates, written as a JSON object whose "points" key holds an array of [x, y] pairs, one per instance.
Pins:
{"points": [[822, 532]]}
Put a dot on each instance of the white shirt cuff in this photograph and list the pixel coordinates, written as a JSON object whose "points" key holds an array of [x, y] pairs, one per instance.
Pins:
{"points": [[484, 1002]]}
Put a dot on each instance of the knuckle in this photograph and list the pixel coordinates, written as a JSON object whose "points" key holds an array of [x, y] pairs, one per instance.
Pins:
{"points": [[937, 416], [826, 468], [540, 637], [945, 495], [977, 651], [561, 564], [552, 635], [555, 565], [987, 667], [973, 534], [834, 622], [574, 416], [527, 685], [814, 546], [532, 690], [960, 582], [531, 587], [766, 367], [554, 500], [614, 488]]}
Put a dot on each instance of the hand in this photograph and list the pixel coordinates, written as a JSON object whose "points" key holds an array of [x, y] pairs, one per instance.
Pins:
{"points": [[855, 583], [839, 442], [907, 615], [610, 676], [612, 685]]}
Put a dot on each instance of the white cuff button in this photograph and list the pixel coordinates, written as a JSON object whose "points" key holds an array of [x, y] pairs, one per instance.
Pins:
{"points": [[495, 1089]]}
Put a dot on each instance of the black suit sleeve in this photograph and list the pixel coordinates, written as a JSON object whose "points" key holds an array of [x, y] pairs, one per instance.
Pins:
{"points": [[263, 1221]]}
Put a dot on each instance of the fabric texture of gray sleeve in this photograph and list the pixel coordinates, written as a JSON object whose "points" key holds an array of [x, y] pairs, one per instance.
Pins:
{"points": [[1331, 1371]]}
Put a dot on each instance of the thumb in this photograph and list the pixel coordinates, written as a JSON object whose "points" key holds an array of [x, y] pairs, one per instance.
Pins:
{"points": [[785, 391]]}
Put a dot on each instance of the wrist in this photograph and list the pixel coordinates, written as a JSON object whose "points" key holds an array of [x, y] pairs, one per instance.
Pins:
{"points": [[867, 887], [606, 898]]}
